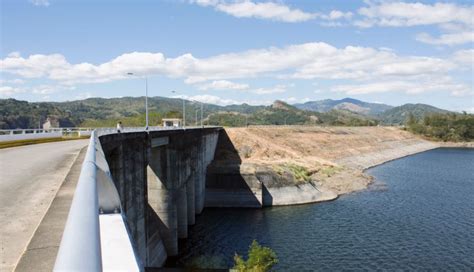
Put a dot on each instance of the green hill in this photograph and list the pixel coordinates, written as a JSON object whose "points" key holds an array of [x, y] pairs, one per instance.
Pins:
{"points": [[98, 112], [22, 114], [281, 113], [399, 115], [105, 112]]}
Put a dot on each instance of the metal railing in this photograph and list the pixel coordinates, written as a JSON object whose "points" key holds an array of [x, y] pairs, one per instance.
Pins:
{"points": [[38, 130], [81, 247], [27, 134], [95, 237], [80, 244]]}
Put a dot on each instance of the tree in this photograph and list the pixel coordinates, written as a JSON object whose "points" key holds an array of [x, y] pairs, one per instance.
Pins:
{"points": [[411, 120], [260, 259]]}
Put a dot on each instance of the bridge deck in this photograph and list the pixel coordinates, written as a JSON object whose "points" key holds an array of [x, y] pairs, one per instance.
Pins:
{"points": [[29, 179]]}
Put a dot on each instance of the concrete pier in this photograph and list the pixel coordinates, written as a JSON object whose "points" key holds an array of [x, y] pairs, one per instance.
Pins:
{"points": [[160, 177]]}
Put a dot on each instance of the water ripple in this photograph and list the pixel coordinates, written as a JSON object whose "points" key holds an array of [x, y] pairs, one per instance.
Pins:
{"points": [[421, 217]]}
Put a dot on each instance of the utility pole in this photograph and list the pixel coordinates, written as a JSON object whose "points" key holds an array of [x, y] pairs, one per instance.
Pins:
{"points": [[196, 118], [184, 113], [146, 99], [146, 102], [201, 116], [184, 109]]}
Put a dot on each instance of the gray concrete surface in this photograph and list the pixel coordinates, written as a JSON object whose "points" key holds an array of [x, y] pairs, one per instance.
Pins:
{"points": [[30, 177], [41, 252], [151, 172]]}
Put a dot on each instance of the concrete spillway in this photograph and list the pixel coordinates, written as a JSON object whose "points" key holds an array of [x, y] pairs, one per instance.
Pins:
{"points": [[160, 177]]}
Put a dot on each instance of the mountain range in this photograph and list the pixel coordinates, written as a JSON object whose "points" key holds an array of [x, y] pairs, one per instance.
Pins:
{"points": [[349, 104], [105, 112]]}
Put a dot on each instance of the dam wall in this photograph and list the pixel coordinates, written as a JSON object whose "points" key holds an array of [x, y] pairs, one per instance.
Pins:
{"points": [[230, 182], [160, 177], [164, 178]]}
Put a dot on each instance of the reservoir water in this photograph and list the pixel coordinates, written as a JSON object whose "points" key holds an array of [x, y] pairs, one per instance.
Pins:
{"points": [[418, 215]]}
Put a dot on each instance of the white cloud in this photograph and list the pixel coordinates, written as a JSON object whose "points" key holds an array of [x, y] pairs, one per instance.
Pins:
{"points": [[455, 20], [229, 85], [294, 100], [43, 3], [43, 89], [49, 89], [413, 14], [34, 66], [465, 57], [8, 91], [309, 60], [447, 39], [337, 14], [211, 99], [15, 81], [273, 90], [272, 10], [223, 85], [82, 96], [14, 54], [261, 10], [408, 87], [362, 65]]}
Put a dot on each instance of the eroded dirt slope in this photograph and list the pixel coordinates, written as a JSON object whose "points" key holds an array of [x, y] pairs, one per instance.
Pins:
{"points": [[333, 156]]}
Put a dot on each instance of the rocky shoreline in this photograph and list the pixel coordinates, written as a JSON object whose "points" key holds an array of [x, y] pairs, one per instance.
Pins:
{"points": [[338, 169], [355, 166]]}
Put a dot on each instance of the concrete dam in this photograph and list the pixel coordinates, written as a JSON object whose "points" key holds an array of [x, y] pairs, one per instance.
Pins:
{"points": [[163, 182], [160, 178], [138, 192]]}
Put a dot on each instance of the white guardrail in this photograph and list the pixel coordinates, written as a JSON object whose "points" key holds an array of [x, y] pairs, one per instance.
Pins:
{"points": [[28, 134], [95, 237]]}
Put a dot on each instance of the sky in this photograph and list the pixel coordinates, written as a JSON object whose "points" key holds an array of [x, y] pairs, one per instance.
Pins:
{"points": [[232, 52]]}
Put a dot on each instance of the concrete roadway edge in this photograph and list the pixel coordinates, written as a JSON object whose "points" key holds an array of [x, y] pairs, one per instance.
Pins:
{"points": [[40, 254]]}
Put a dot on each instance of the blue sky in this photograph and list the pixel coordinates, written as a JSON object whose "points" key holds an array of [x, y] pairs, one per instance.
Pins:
{"points": [[225, 52]]}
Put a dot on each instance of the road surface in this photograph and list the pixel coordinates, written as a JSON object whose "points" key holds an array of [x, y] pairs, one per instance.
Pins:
{"points": [[29, 179]]}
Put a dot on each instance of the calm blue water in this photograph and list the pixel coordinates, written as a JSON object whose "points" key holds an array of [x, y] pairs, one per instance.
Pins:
{"points": [[418, 215]]}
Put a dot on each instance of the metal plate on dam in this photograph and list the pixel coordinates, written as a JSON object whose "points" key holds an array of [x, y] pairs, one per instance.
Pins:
{"points": [[159, 141]]}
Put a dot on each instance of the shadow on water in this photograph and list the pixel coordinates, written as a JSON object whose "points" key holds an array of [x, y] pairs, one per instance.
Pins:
{"points": [[225, 184]]}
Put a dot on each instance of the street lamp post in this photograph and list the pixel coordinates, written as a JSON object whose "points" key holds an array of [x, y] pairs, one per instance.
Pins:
{"points": [[196, 118], [184, 110], [195, 101], [146, 99], [201, 116]]}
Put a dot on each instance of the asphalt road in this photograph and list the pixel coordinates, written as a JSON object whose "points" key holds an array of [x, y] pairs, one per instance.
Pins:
{"points": [[29, 179]]}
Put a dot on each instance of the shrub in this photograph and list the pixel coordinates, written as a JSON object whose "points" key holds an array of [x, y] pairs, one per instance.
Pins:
{"points": [[260, 259]]}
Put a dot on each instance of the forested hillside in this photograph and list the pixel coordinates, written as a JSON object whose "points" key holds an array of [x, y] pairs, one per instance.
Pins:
{"points": [[103, 112], [443, 126], [399, 115]]}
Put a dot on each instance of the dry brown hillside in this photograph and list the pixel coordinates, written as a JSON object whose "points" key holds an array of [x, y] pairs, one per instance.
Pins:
{"points": [[335, 156]]}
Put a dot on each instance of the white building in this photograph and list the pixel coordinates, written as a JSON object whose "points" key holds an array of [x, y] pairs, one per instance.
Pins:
{"points": [[172, 122]]}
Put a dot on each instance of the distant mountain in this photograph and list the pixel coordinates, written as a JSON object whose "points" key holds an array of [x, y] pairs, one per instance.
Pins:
{"points": [[104, 111], [99, 112], [398, 115], [348, 104], [281, 113]]}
